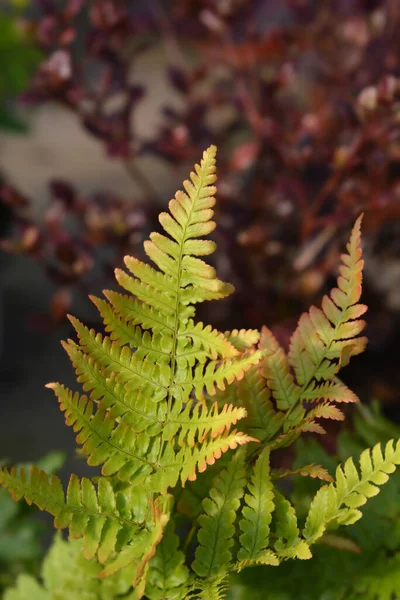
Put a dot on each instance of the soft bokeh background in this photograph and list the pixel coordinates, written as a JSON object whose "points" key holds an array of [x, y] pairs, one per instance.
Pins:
{"points": [[103, 107]]}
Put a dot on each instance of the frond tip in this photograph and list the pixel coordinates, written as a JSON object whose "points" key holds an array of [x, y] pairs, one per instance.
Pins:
{"points": [[338, 503]]}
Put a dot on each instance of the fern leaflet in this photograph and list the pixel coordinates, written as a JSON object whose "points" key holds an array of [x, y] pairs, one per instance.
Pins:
{"points": [[257, 514], [217, 523]]}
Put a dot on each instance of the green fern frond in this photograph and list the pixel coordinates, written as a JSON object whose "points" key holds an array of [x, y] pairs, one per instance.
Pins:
{"points": [[214, 589], [337, 503], [99, 516], [135, 456], [168, 575], [323, 342], [334, 390], [257, 512], [288, 543], [217, 522], [325, 339], [140, 420]]}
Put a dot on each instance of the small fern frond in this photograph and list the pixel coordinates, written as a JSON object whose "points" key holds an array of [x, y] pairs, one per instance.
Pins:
{"points": [[214, 589], [168, 575], [288, 543], [334, 390], [217, 522], [337, 503], [325, 339], [257, 512], [138, 552], [323, 342]]}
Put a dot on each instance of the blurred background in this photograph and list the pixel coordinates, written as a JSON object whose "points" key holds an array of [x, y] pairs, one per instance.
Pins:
{"points": [[106, 104]]}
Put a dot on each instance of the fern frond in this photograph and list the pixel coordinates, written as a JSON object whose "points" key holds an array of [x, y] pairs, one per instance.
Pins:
{"points": [[289, 544], [217, 523], [326, 338], [257, 512], [262, 421], [168, 574], [140, 419], [138, 552], [323, 342], [214, 589], [334, 390], [337, 503], [96, 515]]}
